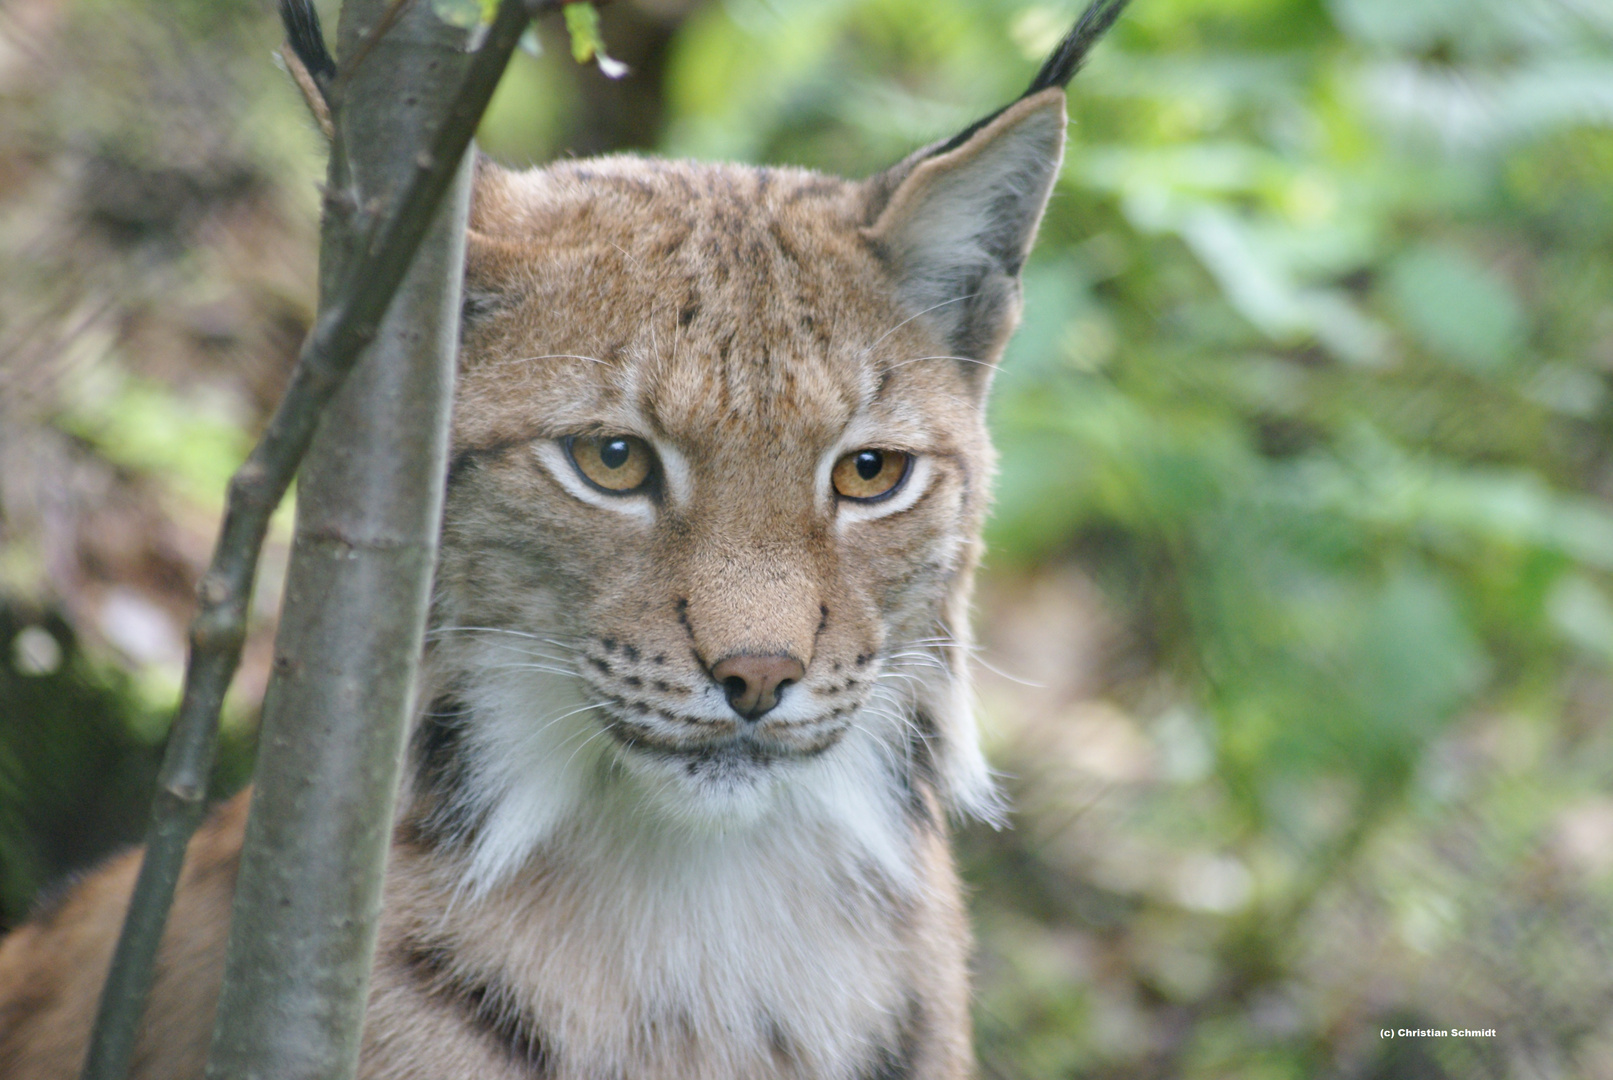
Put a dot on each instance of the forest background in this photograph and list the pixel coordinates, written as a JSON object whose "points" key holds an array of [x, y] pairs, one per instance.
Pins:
{"points": [[1297, 623]]}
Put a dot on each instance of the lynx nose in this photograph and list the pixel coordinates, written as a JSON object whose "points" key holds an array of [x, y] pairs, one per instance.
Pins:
{"points": [[753, 683]]}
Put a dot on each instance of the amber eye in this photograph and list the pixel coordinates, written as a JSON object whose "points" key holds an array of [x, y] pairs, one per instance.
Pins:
{"points": [[870, 474], [618, 464]]}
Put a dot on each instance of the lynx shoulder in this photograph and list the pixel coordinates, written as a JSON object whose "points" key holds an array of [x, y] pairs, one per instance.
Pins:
{"points": [[695, 699]]}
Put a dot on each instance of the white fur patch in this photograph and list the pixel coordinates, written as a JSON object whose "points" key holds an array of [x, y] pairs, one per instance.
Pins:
{"points": [[721, 924], [542, 761], [532, 746], [716, 944]]}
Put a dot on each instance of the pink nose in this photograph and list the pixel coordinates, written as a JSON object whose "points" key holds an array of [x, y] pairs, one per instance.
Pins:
{"points": [[753, 683]]}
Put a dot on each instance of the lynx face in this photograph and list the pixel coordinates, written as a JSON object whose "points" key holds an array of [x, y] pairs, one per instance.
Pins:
{"points": [[719, 473]]}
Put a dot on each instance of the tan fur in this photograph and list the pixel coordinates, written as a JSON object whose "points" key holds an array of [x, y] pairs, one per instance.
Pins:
{"points": [[51, 967], [600, 871]]}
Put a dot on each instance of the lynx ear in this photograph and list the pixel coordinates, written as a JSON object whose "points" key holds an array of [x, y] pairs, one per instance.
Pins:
{"points": [[957, 219], [960, 220]]}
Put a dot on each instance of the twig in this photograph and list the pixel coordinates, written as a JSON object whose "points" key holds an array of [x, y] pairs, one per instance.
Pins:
{"points": [[219, 629]]}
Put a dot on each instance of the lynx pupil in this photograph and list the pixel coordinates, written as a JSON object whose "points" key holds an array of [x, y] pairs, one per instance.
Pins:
{"points": [[869, 463], [614, 454]]}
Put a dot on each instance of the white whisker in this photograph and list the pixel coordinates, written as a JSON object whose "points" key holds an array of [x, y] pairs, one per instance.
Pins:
{"points": [[553, 356], [548, 668], [910, 318], [960, 359]]}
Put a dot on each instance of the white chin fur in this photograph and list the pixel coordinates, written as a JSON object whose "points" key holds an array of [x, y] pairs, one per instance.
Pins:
{"points": [[542, 761], [714, 797]]}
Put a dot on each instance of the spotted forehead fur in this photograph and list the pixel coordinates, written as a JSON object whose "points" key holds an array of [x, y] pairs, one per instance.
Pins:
{"points": [[687, 294]]}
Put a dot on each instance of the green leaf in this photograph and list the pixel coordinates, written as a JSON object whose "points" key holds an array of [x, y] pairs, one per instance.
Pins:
{"points": [[582, 22], [1457, 308]]}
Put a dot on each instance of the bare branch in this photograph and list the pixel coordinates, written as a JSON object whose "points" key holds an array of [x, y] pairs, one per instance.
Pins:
{"points": [[218, 631]]}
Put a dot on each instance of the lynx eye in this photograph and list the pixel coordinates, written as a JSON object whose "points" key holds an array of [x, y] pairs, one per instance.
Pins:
{"points": [[867, 475], [618, 464]]}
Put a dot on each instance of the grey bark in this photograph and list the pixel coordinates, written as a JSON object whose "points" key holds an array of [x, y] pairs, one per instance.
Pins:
{"points": [[308, 897], [346, 323]]}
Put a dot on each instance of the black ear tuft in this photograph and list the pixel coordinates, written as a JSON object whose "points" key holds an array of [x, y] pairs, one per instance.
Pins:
{"points": [[1067, 59], [308, 61], [1058, 69], [307, 40]]}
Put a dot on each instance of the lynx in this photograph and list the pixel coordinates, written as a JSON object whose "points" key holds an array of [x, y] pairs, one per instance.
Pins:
{"points": [[697, 706]]}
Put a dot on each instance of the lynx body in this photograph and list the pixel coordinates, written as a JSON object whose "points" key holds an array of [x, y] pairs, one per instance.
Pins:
{"points": [[695, 704]]}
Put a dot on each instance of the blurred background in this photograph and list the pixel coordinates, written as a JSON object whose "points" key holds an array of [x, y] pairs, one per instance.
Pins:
{"points": [[1297, 625]]}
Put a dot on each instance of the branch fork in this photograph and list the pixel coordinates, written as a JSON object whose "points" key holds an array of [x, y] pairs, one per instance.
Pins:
{"points": [[218, 631]]}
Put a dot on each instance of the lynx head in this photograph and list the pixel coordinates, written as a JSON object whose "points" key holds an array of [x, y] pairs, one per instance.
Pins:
{"points": [[719, 472]]}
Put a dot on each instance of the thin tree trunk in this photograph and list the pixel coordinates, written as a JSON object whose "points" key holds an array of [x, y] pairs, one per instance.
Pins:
{"points": [[370, 497]]}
